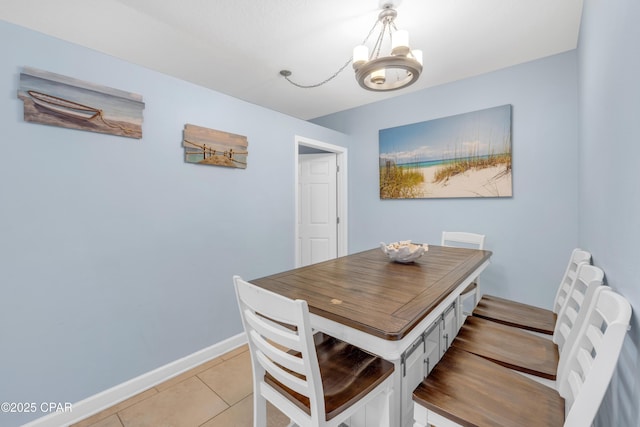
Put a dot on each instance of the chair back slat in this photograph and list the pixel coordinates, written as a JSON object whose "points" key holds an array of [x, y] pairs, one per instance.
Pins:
{"points": [[594, 356], [282, 358], [563, 331], [594, 335], [273, 306], [579, 298], [299, 385], [574, 382], [274, 331], [572, 313], [584, 359], [578, 256], [463, 239]]}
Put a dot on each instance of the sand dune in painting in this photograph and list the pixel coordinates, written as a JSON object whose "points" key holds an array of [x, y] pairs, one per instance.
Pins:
{"points": [[487, 182]]}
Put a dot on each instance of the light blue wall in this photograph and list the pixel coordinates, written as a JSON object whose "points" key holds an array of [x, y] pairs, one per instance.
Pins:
{"points": [[116, 257], [530, 234], [609, 70]]}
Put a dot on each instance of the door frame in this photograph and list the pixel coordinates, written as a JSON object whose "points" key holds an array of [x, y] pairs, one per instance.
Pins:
{"points": [[341, 190]]}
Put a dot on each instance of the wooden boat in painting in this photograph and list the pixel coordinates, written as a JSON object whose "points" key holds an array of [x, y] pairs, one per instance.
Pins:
{"points": [[63, 106]]}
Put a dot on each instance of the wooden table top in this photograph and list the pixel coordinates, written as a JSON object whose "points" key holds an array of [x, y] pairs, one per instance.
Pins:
{"points": [[368, 292]]}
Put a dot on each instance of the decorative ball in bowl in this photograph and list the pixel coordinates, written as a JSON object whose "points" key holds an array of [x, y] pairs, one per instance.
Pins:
{"points": [[404, 251]]}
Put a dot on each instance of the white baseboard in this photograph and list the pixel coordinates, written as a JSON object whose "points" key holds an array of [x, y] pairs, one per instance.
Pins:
{"points": [[103, 400]]}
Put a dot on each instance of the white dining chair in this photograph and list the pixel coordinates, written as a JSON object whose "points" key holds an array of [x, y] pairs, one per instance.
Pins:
{"points": [[543, 359], [464, 389], [531, 318], [314, 379], [471, 241]]}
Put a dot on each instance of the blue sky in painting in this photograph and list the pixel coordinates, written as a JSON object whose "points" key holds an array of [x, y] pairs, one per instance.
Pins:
{"points": [[479, 133]]}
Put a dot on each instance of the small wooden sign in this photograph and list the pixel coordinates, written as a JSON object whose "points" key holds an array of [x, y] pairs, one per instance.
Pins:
{"points": [[214, 147]]}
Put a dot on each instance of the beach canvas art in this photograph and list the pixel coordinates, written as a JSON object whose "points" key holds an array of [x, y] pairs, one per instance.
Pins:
{"points": [[214, 147], [56, 100], [466, 155]]}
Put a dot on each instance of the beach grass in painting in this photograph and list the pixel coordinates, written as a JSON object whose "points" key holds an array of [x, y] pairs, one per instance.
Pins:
{"points": [[56, 100], [468, 155], [397, 182], [214, 147]]}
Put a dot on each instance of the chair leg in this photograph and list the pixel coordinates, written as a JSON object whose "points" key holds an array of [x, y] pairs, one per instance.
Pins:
{"points": [[259, 409], [385, 407], [377, 411], [424, 418], [466, 313], [437, 420], [420, 415]]}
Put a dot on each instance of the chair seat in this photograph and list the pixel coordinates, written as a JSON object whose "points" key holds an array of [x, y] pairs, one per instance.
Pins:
{"points": [[472, 391], [510, 347], [348, 373], [516, 314]]}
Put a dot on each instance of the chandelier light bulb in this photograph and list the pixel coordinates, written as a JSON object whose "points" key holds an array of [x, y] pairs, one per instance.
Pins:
{"points": [[360, 55], [400, 43], [378, 77]]}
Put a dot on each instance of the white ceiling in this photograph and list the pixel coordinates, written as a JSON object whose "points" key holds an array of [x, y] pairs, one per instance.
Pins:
{"points": [[238, 47]]}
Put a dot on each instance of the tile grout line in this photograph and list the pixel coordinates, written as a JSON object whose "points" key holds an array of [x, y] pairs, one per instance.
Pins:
{"points": [[196, 370], [229, 405]]}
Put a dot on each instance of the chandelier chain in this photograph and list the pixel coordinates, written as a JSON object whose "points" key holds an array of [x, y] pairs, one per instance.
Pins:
{"points": [[341, 69], [376, 47], [328, 79]]}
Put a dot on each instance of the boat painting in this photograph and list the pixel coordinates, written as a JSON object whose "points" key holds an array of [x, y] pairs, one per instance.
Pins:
{"points": [[213, 147], [57, 100]]}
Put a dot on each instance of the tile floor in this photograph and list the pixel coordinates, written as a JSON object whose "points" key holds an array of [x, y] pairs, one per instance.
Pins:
{"points": [[218, 393]]}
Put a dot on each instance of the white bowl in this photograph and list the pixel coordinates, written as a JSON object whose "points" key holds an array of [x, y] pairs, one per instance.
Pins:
{"points": [[404, 251]]}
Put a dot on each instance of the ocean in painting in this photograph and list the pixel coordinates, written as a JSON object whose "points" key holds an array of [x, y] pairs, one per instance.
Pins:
{"points": [[429, 163]]}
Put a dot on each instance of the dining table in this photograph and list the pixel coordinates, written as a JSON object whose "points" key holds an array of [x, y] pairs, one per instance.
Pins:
{"points": [[381, 306]]}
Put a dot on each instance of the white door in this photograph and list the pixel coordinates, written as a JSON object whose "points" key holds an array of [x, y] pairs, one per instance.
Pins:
{"points": [[317, 215]]}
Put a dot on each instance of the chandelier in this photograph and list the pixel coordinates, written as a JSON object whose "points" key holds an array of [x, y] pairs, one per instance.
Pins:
{"points": [[400, 68]]}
